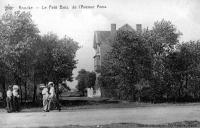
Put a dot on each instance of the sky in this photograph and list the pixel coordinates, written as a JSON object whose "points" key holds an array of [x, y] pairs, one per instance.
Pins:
{"points": [[80, 24]]}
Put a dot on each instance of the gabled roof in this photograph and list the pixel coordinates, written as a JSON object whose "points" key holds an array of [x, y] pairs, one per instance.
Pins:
{"points": [[126, 27], [104, 36]]}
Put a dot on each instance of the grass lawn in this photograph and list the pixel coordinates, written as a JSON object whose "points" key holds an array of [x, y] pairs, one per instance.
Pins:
{"points": [[184, 124], [125, 105], [109, 106]]}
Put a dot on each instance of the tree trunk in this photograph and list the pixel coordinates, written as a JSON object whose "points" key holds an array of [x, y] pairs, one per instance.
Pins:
{"points": [[21, 94], [25, 93], [180, 90], [56, 90], [139, 96], [34, 91], [139, 99], [3, 82]]}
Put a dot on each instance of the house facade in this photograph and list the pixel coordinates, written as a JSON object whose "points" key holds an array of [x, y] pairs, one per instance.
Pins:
{"points": [[102, 44]]}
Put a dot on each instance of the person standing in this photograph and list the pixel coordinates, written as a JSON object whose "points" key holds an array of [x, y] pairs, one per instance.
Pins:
{"points": [[9, 101], [15, 98], [45, 98], [56, 97], [51, 94], [53, 99]]}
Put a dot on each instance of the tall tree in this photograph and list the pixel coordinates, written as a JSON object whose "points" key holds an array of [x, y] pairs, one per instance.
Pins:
{"points": [[162, 40], [128, 62], [27, 58], [17, 35], [54, 59]]}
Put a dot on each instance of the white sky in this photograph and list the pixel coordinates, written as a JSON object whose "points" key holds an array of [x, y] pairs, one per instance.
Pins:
{"points": [[81, 24]]}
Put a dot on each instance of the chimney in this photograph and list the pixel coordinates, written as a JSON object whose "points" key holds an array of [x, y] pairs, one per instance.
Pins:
{"points": [[139, 28], [113, 28]]}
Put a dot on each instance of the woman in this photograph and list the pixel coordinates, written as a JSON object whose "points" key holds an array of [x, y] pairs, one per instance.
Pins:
{"points": [[9, 101], [53, 99], [45, 98], [51, 94]]}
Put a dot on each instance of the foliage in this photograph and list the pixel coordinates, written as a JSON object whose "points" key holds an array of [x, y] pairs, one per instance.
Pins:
{"points": [[28, 58], [85, 79], [128, 62], [184, 67], [55, 58], [149, 64], [162, 40]]}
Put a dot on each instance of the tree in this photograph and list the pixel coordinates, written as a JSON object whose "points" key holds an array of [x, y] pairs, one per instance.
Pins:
{"points": [[27, 58], [91, 79], [184, 68], [162, 40], [128, 62], [17, 35], [137, 61], [54, 59], [85, 79]]}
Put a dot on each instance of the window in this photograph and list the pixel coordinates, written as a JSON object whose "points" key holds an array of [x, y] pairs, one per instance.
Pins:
{"points": [[98, 49], [97, 63]]}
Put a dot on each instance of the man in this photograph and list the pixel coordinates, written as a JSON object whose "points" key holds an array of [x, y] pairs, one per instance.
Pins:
{"points": [[15, 93]]}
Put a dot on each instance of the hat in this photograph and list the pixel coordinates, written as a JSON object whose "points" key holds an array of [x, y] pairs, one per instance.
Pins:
{"points": [[42, 86], [50, 83], [15, 87], [10, 87]]}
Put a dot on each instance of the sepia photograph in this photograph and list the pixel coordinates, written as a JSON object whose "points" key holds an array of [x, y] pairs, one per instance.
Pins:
{"points": [[99, 63]]}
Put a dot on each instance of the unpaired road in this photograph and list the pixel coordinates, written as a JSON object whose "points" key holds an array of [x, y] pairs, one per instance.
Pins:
{"points": [[143, 115]]}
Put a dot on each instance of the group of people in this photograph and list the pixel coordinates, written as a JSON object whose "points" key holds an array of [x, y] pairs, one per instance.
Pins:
{"points": [[49, 97], [12, 98], [48, 93]]}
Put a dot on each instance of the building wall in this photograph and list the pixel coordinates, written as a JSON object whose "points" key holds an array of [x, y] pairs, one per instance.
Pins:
{"points": [[105, 48], [102, 50]]}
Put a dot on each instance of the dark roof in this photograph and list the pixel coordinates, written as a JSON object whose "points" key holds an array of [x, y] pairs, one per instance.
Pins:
{"points": [[104, 36], [100, 36]]}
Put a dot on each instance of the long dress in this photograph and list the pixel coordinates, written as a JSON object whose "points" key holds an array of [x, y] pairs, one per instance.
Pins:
{"points": [[45, 99], [51, 97], [9, 101]]}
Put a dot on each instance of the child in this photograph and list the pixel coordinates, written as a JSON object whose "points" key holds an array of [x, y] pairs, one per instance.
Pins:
{"points": [[9, 99]]}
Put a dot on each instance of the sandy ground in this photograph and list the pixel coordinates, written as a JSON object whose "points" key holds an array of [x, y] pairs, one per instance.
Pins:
{"points": [[142, 115]]}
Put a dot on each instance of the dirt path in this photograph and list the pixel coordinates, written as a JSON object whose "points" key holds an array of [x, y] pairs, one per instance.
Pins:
{"points": [[143, 115]]}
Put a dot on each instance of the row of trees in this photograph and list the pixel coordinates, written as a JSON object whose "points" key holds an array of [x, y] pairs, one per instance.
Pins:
{"points": [[28, 58], [152, 66]]}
